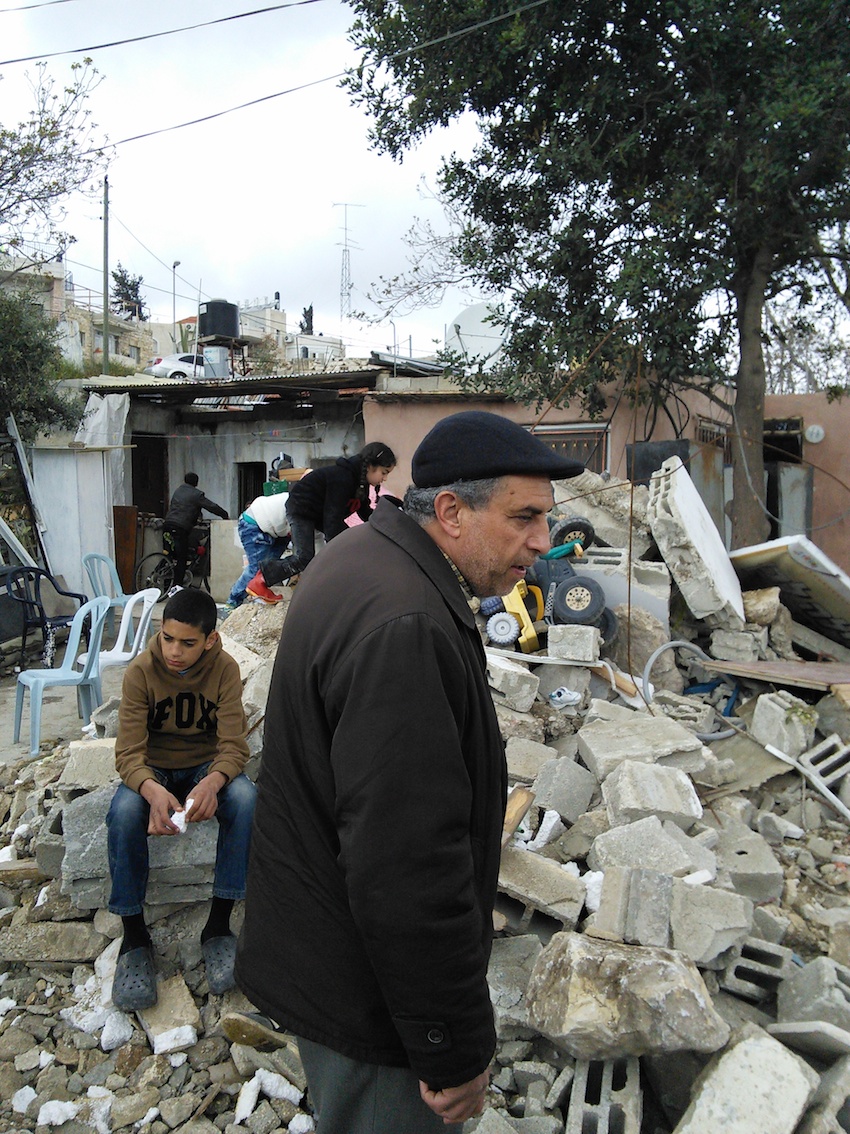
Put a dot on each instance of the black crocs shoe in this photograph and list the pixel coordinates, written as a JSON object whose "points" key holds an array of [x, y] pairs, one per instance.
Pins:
{"points": [[134, 983]]}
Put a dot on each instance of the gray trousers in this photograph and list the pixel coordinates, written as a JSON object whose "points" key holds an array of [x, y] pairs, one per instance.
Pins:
{"points": [[350, 1097]]}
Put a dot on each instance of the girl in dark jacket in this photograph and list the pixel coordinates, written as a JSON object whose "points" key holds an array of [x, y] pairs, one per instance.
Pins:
{"points": [[322, 501]]}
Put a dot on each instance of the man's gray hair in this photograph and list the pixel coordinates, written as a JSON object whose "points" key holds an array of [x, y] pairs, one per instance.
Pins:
{"points": [[419, 502]]}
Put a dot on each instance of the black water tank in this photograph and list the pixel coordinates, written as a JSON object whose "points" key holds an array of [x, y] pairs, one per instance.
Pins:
{"points": [[218, 319]]}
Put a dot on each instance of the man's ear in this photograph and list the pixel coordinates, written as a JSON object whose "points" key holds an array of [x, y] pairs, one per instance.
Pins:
{"points": [[212, 638], [447, 508]]}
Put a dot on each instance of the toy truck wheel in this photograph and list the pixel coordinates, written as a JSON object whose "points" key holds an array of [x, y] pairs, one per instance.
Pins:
{"points": [[492, 605], [573, 529], [579, 601], [503, 629]]}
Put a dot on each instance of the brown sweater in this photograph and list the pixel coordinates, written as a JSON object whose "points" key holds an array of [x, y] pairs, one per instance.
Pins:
{"points": [[166, 720]]}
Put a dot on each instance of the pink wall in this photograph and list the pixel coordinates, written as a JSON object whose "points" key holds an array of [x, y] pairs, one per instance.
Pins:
{"points": [[403, 420]]}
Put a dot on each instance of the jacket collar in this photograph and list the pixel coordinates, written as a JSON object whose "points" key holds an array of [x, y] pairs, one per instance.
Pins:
{"points": [[391, 522]]}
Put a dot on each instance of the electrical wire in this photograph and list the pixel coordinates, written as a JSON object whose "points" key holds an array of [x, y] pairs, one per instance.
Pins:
{"points": [[155, 35], [40, 4]]}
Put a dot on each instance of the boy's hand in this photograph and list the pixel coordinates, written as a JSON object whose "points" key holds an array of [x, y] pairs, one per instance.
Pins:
{"points": [[205, 795], [161, 803]]}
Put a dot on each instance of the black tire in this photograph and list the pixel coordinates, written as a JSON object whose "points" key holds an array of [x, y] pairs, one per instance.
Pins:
{"points": [[177, 374], [609, 628], [573, 529], [155, 570], [579, 601]]}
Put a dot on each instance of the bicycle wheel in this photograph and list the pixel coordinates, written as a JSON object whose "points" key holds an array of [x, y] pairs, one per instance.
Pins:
{"points": [[155, 570]]}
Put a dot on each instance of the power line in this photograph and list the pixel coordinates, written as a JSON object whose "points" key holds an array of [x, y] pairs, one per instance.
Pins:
{"points": [[40, 4], [329, 78], [155, 35]]}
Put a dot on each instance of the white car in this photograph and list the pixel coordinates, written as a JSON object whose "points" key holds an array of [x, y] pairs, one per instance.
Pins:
{"points": [[176, 366]]}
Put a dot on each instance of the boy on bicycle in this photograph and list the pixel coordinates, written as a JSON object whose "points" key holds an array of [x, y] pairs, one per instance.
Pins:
{"points": [[180, 752]]}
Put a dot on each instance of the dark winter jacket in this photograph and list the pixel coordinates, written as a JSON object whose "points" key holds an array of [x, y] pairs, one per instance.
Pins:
{"points": [[327, 496], [375, 851], [186, 505]]}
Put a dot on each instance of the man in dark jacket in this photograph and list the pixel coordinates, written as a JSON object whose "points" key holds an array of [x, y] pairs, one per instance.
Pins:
{"points": [[182, 515], [376, 844]]}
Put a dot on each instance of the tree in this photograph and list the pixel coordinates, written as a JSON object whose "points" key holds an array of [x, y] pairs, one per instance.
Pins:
{"points": [[47, 157], [127, 294], [305, 325], [30, 362], [266, 356], [647, 176]]}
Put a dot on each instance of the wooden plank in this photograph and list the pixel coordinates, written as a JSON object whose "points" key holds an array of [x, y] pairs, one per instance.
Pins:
{"points": [[125, 519], [519, 801], [803, 675]]}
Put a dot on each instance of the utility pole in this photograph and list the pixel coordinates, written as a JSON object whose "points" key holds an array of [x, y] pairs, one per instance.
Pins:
{"points": [[105, 352]]}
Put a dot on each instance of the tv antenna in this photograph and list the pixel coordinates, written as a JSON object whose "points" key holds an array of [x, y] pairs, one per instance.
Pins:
{"points": [[345, 274]]}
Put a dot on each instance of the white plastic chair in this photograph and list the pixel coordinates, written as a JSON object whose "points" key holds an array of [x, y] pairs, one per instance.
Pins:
{"points": [[87, 680], [131, 639], [103, 576]]}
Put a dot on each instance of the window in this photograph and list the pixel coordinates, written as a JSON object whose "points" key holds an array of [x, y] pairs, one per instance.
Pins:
{"points": [[250, 476], [133, 352], [585, 443]]}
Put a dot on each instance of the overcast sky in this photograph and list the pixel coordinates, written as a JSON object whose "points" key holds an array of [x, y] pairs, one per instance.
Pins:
{"points": [[249, 203]]}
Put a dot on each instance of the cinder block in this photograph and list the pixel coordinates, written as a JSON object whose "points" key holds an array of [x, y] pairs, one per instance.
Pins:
{"points": [[564, 786], [634, 791], [606, 1097], [537, 895], [650, 582], [746, 856], [830, 759], [575, 643], [784, 721], [516, 684], [758, 970], [819, 990]]}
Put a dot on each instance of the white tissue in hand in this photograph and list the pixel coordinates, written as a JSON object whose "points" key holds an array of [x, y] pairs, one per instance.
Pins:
{"points": [[179, 817]]}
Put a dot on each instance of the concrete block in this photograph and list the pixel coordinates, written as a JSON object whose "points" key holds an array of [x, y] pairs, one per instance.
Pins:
{"points": [[526, 758], [830, 759], [174, 1021], [756, 1086], [819, 990], [737, 645], [758, 969], [831, 1102], [815, 1037], [542, 897], [747, 858], [635, 790], [605, 1097], [640, 844], [616, 508], [576, 843], [769, 924], [697, 847], [514, 682], [91, 764], [576, 643], [604, 744], [693, 714], [599, 1000], [692, 548], [49, 845], [784, 721], [610, 919], [649, 909], [705, 922], [559, 1092], [526, 726], [564, 786]]}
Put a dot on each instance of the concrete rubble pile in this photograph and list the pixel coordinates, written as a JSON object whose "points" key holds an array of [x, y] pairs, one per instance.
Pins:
{"points": [[673, 925]]}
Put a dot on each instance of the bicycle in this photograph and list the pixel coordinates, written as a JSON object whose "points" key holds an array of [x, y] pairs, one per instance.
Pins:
{"points": [[157, 569]]}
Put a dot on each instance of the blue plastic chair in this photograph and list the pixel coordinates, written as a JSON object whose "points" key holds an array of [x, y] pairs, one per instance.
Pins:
{"points": [[103, 577], [86, 680]]}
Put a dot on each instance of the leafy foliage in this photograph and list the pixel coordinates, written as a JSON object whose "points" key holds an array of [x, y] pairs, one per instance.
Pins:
{"points": [[47, 157], [648, 174], [305, 324], [30, 363], [127, 294]]}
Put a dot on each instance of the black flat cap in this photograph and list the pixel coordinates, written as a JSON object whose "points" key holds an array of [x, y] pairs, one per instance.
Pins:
{"points": [[476, 446]]}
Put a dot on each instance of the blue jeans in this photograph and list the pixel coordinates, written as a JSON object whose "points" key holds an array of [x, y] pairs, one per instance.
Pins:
{"points": [[127, 837], [258, 545]]}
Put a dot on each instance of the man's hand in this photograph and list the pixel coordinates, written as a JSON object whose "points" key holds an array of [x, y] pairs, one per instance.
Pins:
{"points": [[457, 1104], [161, 803], [205, 796]]}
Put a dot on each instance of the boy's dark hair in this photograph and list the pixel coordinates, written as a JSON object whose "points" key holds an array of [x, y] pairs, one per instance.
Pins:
{"points": [[191, 478], [194, 607]]}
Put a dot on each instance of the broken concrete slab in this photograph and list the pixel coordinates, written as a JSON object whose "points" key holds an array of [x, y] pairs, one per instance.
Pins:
{"points": [[634, 907], [525, 758], [706, 922], [91, 764], [815, 1037], [174, 1021], [691, 546], [604, 744], [575, 643], [746, 857], [655, 1000], [784, 721], [635, 791], [63, 942], [645, 844], [512, 960], [616, 508], [828, 1108], [755, 1086], [820, 990]]}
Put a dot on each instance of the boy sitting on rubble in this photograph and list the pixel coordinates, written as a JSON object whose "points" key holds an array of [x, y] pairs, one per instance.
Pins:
{"points": [[180, 752]]}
